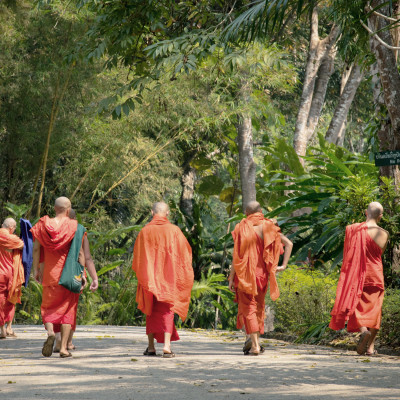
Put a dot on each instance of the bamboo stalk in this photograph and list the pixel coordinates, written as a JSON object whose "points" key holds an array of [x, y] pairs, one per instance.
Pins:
{"points": [[54, 111], [131, 171], [28, 213], [87, 173]]}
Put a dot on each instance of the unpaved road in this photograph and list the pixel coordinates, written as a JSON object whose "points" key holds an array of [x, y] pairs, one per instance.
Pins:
{"points": [[108, 364]]}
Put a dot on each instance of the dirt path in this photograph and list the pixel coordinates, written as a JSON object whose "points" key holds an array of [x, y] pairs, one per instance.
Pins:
{"points": [[108, 364]]}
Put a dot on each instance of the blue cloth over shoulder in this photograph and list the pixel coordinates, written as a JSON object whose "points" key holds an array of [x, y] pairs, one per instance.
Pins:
{"points": [[27, 252]]}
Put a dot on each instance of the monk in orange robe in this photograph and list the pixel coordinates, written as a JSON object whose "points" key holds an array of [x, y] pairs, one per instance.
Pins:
{"points": [[11, 275], [59, 305], [162, 260], [360, 290], [257, 247], [89, 264]]}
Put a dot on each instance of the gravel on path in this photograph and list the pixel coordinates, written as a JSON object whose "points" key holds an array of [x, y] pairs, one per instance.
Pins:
{"points": [[108, 364]]}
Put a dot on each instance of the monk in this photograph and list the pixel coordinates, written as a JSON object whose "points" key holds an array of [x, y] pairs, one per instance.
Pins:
{"points": [[88, 263], [11, 275], [360, 290], [257, 247], [162, 260], [59, 305]]}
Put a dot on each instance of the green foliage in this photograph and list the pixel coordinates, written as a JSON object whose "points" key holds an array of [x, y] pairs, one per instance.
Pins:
{"points": [[203, 303], [335, 187], [390, 326], [29, 311], [305, 302]]}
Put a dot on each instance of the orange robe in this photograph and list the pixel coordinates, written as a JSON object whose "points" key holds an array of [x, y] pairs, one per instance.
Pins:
{"points": [[11, 274], [162, 260], [360, 291], [59, 305], [255, 261]]}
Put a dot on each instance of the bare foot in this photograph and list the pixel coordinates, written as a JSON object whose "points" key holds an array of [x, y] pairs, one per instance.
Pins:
{"points": [[254, 351], [167, 350]]}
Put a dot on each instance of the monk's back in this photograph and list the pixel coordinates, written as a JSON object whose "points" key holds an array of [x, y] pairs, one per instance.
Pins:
{"points": [[6, 262], [55, 236], [378, 235], [162, 237], [6, 257], [373, 253]]}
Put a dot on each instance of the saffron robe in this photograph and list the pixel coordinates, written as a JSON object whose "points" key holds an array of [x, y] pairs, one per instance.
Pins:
{"points": [[360, 291], [11, 274], [255, 261], [162, 260], [59, 305]]}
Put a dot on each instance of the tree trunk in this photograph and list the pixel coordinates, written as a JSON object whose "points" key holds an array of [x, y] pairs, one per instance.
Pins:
{"points": [[247, 166], [345, 77], [324, 73], [390, 80], [187, 194], [319, 53], [335, 132]]}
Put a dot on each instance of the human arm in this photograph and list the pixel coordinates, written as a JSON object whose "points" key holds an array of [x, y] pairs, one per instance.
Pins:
{"points": [[37, 268], [90, 265], [288, 245], [231, 279]]}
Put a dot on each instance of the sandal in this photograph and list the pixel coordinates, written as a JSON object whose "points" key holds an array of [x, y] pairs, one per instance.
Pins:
{"points": [[168, 355], [63, 355], [250, 353], [47, 349], [247, 346], [371, 354], [262, 349], [149, 353], [363, 342]]}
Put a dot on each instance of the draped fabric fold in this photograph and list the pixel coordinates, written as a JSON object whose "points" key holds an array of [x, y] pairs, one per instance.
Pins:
{"points": [[352, 274], [59, 305], [27, 252], [245, 256], [13, 259], [163, 265]]}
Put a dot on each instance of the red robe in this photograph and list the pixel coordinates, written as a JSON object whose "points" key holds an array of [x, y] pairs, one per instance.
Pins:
{"points": [[11, 274], [360, 291], [255, 261], [59, 305], [162, 260]]}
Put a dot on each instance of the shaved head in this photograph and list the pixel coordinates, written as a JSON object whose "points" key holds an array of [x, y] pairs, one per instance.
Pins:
{"points": [[160, 208], [374, 210], [9, 223], [62, 205], [253, 207]]}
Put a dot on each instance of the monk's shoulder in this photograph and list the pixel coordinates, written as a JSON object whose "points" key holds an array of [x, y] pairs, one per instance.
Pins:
{"points": [[271, 225], [383, 233], [175, 228]]}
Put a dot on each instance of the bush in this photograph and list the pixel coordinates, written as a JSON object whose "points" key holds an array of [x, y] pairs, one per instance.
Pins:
{"points": [[306, 299], [390, 328]]}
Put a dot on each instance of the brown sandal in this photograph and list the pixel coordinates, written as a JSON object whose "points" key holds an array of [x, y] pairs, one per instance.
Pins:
{"points": [[48, 345], [363, 342]]}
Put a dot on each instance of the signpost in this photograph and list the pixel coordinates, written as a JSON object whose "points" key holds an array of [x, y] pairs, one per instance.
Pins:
{"points": [[385, 158]]}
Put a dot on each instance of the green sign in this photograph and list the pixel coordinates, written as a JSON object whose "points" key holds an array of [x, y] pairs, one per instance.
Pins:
{"points": [[385, 158]]}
